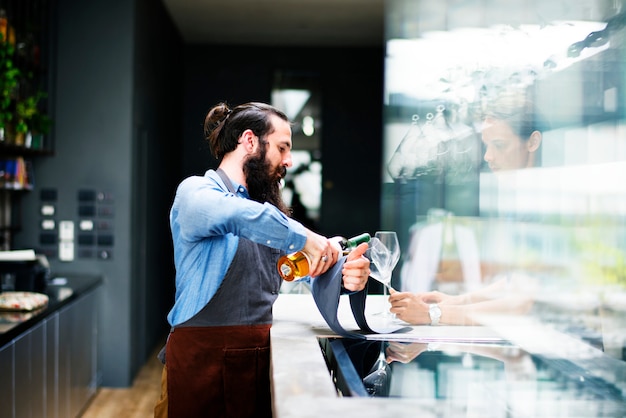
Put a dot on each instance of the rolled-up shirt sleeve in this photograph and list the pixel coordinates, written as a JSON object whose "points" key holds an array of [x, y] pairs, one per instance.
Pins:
{"points": [[205, 211], [207, 222]]}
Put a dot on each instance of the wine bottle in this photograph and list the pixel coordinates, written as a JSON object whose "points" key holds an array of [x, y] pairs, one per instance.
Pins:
{"points": [[295, 266]]}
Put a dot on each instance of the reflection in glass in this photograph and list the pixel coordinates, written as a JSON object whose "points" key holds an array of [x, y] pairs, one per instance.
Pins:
{"points": [[555, 213], [432, 147], [479, 379]]}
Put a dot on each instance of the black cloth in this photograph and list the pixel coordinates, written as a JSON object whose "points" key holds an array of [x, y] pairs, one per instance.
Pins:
{"points": [[326, 290]]}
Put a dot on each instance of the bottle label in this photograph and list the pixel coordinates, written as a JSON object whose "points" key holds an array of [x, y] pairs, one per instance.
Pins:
{"points": [[293, 266], [286, 270]]}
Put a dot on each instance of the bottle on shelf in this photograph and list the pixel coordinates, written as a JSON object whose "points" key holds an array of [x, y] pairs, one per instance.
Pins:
{"points": [[4, 24], [295, 266]]}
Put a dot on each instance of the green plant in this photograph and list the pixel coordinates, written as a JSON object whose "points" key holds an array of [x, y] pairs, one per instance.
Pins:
{"points": [[41, 123], [19, 114], [27, 112], [9, 80]]}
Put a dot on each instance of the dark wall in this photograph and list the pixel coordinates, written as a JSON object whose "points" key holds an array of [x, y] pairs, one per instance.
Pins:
{"points": [[352, 143], [157, 114], [351, 83], [117, 114], [92, 129]]}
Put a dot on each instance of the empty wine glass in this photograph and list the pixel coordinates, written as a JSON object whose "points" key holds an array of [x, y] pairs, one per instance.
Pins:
{"points": [[379, 256], [384, 253]]}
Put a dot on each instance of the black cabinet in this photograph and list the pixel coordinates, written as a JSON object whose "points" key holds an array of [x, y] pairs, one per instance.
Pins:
{"points": [[52, 369], [29, 352], [6, 382]]}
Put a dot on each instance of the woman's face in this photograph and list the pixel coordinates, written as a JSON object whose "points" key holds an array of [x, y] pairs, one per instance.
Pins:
{"points": [[504, 149]]}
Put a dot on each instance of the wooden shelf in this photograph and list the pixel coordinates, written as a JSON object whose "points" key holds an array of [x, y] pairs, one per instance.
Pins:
{"points": [[7, 150]]}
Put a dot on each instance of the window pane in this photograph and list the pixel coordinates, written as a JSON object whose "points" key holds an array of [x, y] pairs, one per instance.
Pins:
{"points": [[504, 160]]}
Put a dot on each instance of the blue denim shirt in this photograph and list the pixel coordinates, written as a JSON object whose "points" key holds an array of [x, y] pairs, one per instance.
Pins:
{"points": [[206, 221]]}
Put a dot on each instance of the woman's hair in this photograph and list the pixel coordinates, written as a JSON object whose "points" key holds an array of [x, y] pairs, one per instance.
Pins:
{"points": [[518, 111], [223, 126]]}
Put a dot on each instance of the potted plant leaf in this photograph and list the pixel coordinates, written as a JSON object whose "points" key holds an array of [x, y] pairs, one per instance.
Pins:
{"points": [[9, 80], [29, 119], [39, 127]]}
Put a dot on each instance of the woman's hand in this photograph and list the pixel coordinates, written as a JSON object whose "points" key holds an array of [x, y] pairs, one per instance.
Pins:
{"points": [[409, 307], [404, 352], [438, 297]]}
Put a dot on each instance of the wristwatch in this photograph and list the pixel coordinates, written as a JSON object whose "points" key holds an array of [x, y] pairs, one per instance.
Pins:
{"points": [[434, 311]]}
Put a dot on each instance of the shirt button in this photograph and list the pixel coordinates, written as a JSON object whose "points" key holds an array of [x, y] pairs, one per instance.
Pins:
{"points": [[240, 189], [291, 247], [268, 242]]}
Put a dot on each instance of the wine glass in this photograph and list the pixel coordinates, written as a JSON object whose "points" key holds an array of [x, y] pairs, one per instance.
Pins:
{"points": [[379, 255], [384, 253]]}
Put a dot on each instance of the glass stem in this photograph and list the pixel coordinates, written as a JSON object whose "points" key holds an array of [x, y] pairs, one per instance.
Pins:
{"points": [[386, 295]]}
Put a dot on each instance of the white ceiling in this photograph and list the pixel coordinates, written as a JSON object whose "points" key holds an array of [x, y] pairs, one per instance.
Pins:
{"points": [[279, 22]]}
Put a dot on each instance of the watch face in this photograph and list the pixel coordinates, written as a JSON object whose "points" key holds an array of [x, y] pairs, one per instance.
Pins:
{"points": [[435, 313]]}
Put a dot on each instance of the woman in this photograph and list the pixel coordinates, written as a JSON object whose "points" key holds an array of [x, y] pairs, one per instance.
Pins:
{"points": [[511, 133]]}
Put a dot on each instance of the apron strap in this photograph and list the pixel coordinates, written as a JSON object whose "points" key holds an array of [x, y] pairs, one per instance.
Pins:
{"points": [[226, 180]]}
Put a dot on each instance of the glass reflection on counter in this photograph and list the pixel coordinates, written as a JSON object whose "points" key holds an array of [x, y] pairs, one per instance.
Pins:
{"points": [[60, 293], [466, 378], [9, 319]]}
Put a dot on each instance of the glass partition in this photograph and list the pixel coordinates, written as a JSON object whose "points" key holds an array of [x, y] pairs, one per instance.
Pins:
{"points": [[504, 158]]}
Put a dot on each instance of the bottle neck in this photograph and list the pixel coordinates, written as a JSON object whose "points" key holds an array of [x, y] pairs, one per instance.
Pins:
{"points": [[350, 243]]}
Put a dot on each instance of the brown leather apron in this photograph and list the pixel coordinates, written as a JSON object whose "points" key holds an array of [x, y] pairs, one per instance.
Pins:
{"points": [[218, 362]]}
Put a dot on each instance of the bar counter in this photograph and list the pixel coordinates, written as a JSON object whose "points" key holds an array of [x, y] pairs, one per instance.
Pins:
{"points": [[301, 382], [302, 385]]}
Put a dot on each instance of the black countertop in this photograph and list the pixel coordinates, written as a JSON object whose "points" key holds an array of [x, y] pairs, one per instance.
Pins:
{"points": [[61, 291]]}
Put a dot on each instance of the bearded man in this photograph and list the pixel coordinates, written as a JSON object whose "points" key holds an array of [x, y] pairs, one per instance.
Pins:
{"points": [[229, 227]]}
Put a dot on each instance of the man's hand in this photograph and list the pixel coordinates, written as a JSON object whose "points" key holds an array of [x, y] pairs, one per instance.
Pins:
{"points": [[322, 253], [356, 269]]}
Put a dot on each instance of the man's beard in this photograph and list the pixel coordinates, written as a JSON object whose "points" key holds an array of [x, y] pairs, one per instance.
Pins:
{"points": [[264, 182]]}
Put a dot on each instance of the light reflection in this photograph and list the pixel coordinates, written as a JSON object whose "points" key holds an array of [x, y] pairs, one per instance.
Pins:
{"points": [[308, 125], [466, 61]]}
